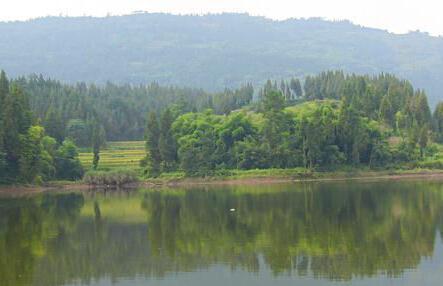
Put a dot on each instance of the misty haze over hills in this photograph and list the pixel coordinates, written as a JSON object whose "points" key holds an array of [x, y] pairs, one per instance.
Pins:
{"points": [[213, 51]]}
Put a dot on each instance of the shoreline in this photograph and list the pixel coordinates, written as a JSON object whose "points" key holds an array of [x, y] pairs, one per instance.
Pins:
{"points": [[233, 180]]}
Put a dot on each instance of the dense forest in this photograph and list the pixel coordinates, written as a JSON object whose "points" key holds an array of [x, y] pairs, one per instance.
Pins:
{"points": [[213, 51], [27, 154], [327, 121], [71, 110], [338, 120]]}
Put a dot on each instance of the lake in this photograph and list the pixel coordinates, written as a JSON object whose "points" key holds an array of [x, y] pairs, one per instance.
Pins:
{"points": [[335, 233]]}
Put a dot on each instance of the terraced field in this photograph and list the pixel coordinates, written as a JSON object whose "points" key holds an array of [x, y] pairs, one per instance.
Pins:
{"points": [[122, 154]]}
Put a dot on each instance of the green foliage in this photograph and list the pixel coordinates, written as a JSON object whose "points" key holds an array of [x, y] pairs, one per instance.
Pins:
{"points": [[78, 131], [438, 122], [153, 156], [347, 120], [54, 125], [70, 111], [166, 142], [27, 154], [98, 139], [66, 160], [30, 160], [196, 136]]}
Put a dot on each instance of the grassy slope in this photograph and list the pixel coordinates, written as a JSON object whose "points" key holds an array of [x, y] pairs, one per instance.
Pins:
{"points": [[116, 155]]}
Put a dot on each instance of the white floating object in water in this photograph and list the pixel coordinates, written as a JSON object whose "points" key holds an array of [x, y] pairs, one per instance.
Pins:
{"points": [[232, 210]]}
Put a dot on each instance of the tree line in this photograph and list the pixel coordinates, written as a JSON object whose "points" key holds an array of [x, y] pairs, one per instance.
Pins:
{"points": [[72, 111], [335, 120], [27, 153]]}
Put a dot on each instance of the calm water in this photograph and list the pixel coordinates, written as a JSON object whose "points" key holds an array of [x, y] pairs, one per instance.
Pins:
{"points": [[385, 233]]}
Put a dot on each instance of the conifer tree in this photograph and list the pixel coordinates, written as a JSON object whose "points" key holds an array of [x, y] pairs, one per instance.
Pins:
{"points": [[152, 147], [54, 125], [16, 121], [167, 144], [296, 87], [386, 112], [438, 122], [98, 139]]}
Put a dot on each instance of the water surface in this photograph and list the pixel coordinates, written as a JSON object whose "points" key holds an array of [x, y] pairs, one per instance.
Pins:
{"points": [[347, 233]]}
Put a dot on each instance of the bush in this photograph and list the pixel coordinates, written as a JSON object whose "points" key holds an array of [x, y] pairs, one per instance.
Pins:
{"points": [[111, 178]]}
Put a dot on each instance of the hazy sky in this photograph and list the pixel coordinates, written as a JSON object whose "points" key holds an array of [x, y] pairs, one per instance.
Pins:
{"points": [[398, 16]]}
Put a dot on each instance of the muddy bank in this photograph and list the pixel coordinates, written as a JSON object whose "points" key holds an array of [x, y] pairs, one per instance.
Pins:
{"points": [[189, 182]]}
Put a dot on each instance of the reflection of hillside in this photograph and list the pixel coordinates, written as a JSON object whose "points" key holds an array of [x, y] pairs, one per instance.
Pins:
{"points": [[333, 231]]}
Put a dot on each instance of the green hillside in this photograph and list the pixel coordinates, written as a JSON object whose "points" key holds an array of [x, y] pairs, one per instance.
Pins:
{"points": [[213, 51]]}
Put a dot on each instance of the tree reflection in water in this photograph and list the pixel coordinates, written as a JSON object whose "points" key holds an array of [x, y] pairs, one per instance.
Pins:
{"points": [[333, 231]]}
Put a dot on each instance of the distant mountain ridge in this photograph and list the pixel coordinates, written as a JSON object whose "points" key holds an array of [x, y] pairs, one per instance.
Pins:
{"points": [[213, 51]]}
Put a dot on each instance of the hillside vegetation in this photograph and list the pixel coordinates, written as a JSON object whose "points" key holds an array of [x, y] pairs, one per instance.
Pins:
{"points": [[340, 121], [213, 51], [334, 121]]}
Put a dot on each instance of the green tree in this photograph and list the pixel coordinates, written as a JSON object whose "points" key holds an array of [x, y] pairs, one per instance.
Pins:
{"points": [[67, 164], [296, 87], [277, 128], [423, 140], [30, 155], [4, 87], [167, 144], [197, 136], [423, 112], [98, 140], [152, 145], [386, 111], [17, 119], [77, 131], [438, 122], [54, 126]]}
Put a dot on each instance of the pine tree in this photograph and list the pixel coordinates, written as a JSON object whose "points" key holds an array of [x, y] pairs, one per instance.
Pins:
{"points": [[98, 139], [423, 140], [17, 119], [54, 125], [423, 112], [438, 122], [4, 89], [386, 113], [152, 148], [296, 87], [167, 144]]}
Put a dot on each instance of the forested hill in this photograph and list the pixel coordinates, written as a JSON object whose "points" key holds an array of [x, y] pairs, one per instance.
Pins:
{"points": [[213, 51]]}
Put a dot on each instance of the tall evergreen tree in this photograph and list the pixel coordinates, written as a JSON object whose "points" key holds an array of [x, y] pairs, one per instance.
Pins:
{"points": [[423, 112], [423, 140], [296, 87], [386, 111], [152, 147], [167, 144], [16, 121], [98, 139], [4, 89], [438, 122], [54, 125]]}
